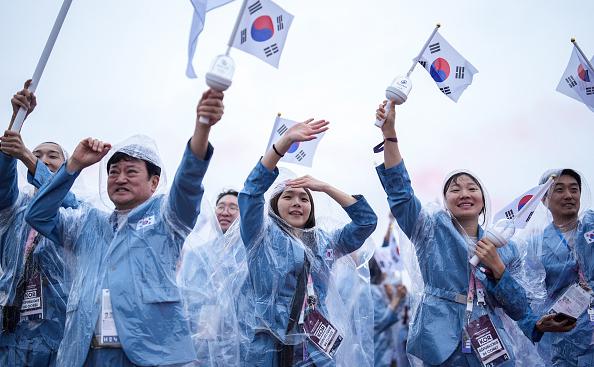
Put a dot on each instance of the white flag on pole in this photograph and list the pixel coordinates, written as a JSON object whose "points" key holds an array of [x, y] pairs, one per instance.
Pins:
{"points": [[521, 209], [263, 30], [300, 152], [577, 81], [452, 72], [198, 19]]}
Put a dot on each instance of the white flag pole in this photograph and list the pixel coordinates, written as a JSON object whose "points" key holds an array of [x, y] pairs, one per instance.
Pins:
{"points": [[416, 59], [234, 33], [582, 53], [17, 124]]}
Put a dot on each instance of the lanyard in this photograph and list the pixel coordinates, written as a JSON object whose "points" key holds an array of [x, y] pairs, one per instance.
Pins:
{"points": [[309, 301], [474, 285], [31, 242]]}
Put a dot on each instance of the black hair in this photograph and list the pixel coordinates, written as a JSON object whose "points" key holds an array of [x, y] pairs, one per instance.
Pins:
{"points": [[225, 193], [152, 169], [571, 173], [311, 220], [454, 179], [375, 272]]}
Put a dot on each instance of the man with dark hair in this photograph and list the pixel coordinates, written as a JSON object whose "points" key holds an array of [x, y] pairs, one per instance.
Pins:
{"points": [[125, 308], [227, 209]]}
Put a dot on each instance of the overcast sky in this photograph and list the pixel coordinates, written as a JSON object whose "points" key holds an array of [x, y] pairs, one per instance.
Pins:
{"points": [[118, 70]]}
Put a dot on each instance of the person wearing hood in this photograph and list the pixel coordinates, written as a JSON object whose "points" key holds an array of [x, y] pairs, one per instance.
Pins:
{"points": [[456, 311], [33, 284], [290, 258], [125, 308]]}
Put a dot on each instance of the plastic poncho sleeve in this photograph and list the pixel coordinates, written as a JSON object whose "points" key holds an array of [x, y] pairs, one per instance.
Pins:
{"points": [[363, 223], [42, 176], [9, 190], [186, 191], [403, 203], [43, 212], [251, 203]]}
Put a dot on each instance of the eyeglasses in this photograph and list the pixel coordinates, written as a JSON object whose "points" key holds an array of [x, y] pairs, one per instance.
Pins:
{"points": [[231, 209]]}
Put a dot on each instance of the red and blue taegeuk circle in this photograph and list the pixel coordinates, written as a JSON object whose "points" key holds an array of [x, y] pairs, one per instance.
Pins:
{"points": [[523, 201], [262, 29], [293, 148], [440, 70], [583, 73]]}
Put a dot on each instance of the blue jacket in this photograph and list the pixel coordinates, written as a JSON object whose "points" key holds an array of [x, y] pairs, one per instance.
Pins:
{"points": [[275, 259], [442, 254], [136, 263], [383, 319], [14, 232], [561, 272]]}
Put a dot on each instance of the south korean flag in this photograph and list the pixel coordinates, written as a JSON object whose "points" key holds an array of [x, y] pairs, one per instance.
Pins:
{"points": [[263, 30], [577, 81], [300, 152], [452, 72]]}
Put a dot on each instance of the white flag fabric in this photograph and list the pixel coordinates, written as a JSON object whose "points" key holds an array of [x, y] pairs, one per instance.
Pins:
{"points": [[198, 19], [577, 81], [299, 153], [452, 72], [263, 30], [521, 209]]}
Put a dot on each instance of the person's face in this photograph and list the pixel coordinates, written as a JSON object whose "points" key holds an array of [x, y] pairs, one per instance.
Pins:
{"points": [[128, 184], [564, 197], [50, 154], [294, 207], [227, 211], [464, 198]]}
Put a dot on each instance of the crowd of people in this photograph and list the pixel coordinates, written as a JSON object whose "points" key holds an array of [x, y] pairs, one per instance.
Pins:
{"points": [[260, 280]]}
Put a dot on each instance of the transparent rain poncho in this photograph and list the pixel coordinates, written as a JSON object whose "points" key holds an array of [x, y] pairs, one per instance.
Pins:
{"points": [[34, 277], [437, 261], [126, 261], [278, 258], [564, 252], [211, 273]]}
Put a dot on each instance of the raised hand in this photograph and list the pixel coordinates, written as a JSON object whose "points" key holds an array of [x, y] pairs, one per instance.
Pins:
{"points": [[548, 324], [88, 152], [306, 131], [12, 144], [24, 99], [487, 254], [210, 106], [388, 128], [308, 182]]}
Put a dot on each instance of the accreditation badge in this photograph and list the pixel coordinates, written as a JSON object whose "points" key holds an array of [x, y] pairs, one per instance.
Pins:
{"points": [[322, 333], [32, 306], [486, 342], [109, 333]]}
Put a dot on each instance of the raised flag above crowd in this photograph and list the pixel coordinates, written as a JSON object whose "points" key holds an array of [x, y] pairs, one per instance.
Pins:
{"points": [[198, 20], [577, 81], [262, 30], [299, 153], [520, 210], [450, 70]]}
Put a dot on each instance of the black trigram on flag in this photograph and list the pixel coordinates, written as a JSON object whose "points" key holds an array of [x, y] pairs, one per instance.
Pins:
{"points": [[243, 36], [589, 91], [271, 50], [459, 72], [281, 130], [445, 90], [572, 83], [434, 47], [254, 7], [423, 63], [299, 156], [279, 23], [529, 216], [509, 214]]}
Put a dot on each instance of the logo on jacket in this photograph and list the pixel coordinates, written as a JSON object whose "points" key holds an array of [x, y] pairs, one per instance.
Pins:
{"points": [[329, 254], [145, 222], [589, 236]]}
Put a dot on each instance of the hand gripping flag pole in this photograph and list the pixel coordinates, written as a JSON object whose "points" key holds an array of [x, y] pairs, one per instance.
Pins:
{"points": [[582, 53], [401, 85], [17, 124]]}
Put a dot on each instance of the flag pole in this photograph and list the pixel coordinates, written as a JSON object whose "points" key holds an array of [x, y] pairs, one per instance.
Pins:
{"points": [[416, 59], [582, 53], [17, 124], [234, 33]]}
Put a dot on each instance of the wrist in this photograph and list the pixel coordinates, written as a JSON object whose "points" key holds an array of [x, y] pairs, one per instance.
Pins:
{"points": [[283, 144], [72, 166], [498, 271], [389, 132]]}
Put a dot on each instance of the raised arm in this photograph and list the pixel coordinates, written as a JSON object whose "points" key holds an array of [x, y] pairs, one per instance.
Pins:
{"points": [[43, 210], [393, 175], [24, 99], [363, 219], [187, 190]]}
